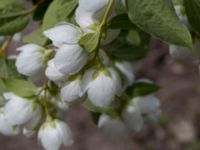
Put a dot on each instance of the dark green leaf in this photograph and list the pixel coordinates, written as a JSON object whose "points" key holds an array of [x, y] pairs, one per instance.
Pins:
{"points": [[157, 18], [121, 22], [192, 8], [142, 89]]}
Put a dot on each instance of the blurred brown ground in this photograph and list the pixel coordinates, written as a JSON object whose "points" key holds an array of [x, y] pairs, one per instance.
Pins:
{"points": [[180, 101]]}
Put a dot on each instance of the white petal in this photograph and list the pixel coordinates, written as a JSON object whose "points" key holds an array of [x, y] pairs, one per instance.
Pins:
{"points": [[127, 70], [64, 33], [117, 81], [182, 53], [30, 126], [102, 91], [84, 20], [65, 133], [70, 59], [54, 74], [114, 128], [18, 110], [133, 118], [71, 91], [6, 128], [92, 6], [17, 37], [49, 137], [87, 78], [34, 58], [147, 104], [29, 47]]}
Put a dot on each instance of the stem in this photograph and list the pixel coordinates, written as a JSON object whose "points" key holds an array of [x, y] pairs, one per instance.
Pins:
{"points": [[5, 45], [106, 15]]}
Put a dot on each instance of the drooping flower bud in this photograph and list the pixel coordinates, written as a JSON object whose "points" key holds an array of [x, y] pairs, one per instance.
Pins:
{"points": [[18, 110], [71, 91], [112, 127], [133, 118], [5, 127], [53, 134], [102, 86], [30, 61]]}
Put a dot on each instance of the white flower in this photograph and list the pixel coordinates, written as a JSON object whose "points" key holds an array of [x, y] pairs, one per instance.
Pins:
{"points": [[54, 74], [89, 13], [182, 54], [112, 127], [5, 127], [71, 91], [70, 59], [30, 61], [181, 16], [18, 110], [133, 118], [53, 134], [127, 69], [147, 104], [92, 6], [101, 86], [30, 127], [63, 33]]}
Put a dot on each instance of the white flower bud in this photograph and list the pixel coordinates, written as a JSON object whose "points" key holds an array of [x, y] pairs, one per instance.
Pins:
{"points": [[5, 127], [101, 86], [54, 74], [182, 53], [71, 91], [30, 61], [112, 127], [30, 127], [63, 33], [147, 104], [70, 59], [55, 133], [133, 118], [18, 110]]}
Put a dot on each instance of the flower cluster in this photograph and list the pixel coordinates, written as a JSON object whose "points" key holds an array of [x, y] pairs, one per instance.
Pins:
{"points": [[71, 75]]}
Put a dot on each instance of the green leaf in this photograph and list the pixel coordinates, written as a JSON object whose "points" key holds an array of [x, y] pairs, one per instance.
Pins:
{"points": [[20, 87], [131, 45], [192, 8], [36, 37], [121, 22], [109, 110], [90, 41], [58, 11], [14, 17], [142, 89], [157, 18], [8, 68]]}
